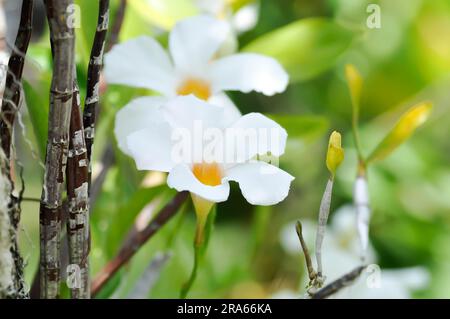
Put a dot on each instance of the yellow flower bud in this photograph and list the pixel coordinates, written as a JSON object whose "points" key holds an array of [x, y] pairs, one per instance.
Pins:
{"points": [[335, 154]]}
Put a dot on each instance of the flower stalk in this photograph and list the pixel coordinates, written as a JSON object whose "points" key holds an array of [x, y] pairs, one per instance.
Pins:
{"points": [[335, 156], [206, 213]]}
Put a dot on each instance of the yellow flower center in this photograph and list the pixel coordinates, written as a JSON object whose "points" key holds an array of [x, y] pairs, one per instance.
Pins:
{"points": [[199, 88], [208, 173]]}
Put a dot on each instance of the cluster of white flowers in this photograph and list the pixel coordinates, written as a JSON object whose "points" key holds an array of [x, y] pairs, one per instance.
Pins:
{"points": [[191, 80]]}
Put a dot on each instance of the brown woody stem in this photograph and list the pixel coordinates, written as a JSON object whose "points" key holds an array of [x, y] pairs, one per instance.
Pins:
{"points": [[93, 80], [78, 204], [61, 93]]}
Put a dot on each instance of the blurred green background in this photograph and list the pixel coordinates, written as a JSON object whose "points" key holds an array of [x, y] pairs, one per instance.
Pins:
{"points": [[406, 61]]}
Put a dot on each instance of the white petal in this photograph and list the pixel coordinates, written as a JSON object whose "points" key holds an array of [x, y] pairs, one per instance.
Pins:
{"points": [[230, 111], [136, 115], [187, 111], [260, 183], [247, 72], [140, 62], [182, 179], [151, 148], [254, 134], [194, 41], [246, 18]]}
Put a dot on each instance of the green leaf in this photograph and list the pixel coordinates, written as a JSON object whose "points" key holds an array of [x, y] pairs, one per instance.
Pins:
{"points": [[303, 127], [305, 48], [405, 127]]}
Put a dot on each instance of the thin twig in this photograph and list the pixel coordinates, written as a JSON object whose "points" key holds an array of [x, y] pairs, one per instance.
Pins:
{"points": [[63, 48], [140, 238], [339, 284], [108, 158], [93, 80], [311, 272]]}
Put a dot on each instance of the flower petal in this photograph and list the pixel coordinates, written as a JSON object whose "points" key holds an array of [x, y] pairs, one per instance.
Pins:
{"points": [[230, 111], [182, 179], [140, 62], [194, 41], [254, 134], [260, 183], [135, 116], [151, 148], [186, 111], [247, 72]]}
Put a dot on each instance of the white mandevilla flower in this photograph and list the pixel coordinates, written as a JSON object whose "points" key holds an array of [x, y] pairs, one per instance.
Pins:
{"points": [[192, 67], [161, 136]]}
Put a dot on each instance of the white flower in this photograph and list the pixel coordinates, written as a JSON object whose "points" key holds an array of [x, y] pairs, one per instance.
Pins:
{"points": [[154, 133], [243, 20], [341, 254], [191, 67]]}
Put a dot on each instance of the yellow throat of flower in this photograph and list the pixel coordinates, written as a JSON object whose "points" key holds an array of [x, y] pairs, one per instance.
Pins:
{"points": [[208, 173], [198, 87]]}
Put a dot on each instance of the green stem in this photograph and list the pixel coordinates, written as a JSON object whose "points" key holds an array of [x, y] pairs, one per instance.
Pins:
{"points": [[202, 236], [187, 286], [355, 130]]}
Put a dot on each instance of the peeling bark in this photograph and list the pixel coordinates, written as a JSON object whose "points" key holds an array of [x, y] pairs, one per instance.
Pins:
{"points": [[10, 204], [13, 86], [7, 269], [62, 40], [78, 208]]}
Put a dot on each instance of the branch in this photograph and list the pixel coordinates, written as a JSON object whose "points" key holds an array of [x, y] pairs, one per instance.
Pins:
{"points": [[63, 45], [10, 105], [311, 272], [118, 21], [135, 243], [339, 284], [93, 80], [108, 157], [78, 199]]}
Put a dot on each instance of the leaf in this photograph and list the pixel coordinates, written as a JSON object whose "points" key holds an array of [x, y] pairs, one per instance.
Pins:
{"points": [[405, 127], [305, 48], [335, 154], [303, 127]]}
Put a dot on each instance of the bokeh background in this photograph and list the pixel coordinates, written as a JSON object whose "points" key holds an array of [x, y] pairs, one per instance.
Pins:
{"points": [[253, 250]]}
